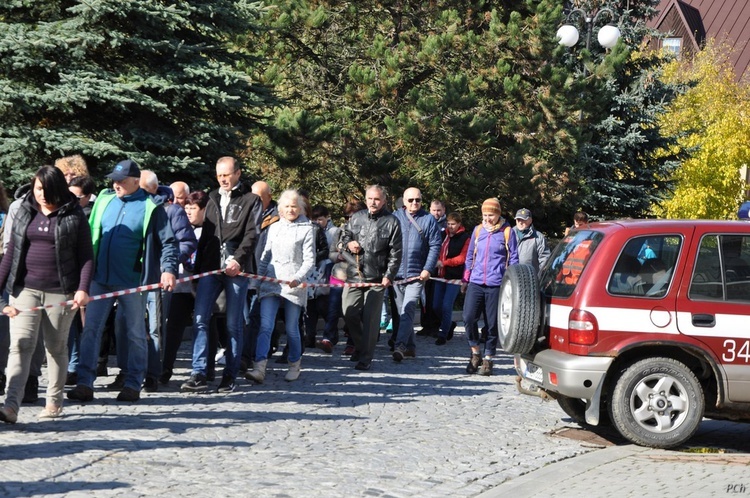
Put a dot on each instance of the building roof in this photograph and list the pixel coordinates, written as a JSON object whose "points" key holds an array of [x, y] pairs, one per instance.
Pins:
{"points": [[727, 21]]}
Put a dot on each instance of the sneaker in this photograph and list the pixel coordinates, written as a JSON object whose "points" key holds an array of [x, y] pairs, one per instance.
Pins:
{"points": [[349, 350], [7, 415], [50, 413], [118, 383], [81, 393], [440, 341], [363, 365], [399, 353], [31, 390], [486, 368], [150, 385], [227, 384], [474, 363], [71, 379], [325, 345], [196, 383], [129, 394], [220, 357], [389, 327]]}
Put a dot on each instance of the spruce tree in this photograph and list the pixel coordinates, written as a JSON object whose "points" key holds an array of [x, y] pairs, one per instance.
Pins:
{"points": [[161, 82]]}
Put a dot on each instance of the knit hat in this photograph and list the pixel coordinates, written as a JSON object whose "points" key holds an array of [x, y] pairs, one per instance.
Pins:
{"points": [[491, 205]]}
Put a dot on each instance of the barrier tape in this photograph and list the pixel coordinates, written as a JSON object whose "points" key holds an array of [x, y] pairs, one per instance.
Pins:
{"points": [[150, 287]]}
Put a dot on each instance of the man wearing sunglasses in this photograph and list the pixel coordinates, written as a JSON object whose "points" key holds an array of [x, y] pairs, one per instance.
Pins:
{"points": [[421, 246]]}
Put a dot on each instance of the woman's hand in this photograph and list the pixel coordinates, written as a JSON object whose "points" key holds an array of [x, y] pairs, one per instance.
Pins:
{"points": [[10, 311], [80, 300], [294, 283]]}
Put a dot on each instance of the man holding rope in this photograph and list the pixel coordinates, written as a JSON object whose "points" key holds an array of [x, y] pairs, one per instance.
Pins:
{"points": [[134, 245], [372, 244]]}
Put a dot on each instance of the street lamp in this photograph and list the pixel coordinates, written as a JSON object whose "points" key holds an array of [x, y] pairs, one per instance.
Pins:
{"points": [[608, 34]]}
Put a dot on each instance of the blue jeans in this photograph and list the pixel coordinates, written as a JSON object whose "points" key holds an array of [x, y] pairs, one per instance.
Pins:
{"points": [[444, 295], [269, 307], [74, 343], [209, 288], [482, 298], [132, 309], [407, 297], [331, 331]]}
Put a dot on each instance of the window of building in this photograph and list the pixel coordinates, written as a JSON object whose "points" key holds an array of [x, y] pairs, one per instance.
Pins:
{"points": [[672, 45]]}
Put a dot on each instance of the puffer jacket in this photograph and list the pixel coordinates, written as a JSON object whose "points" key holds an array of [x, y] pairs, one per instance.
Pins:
{"points": [[420, 251], [289, 254], [379, 236], [488, 257], [72, 245]]}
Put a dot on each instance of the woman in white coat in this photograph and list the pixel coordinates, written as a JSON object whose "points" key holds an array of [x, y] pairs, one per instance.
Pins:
{"points": [[289, 255]]}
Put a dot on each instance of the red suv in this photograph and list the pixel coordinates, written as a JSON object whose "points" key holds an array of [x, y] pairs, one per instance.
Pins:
{"points": [[641, 323]]}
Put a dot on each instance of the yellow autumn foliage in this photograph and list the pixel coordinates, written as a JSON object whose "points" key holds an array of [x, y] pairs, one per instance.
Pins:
{"points": [[714, 119]]}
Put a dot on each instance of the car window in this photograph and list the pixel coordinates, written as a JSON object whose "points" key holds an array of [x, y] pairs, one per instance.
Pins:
{"points": [[722, 269], [568, 262], [645, 266]]}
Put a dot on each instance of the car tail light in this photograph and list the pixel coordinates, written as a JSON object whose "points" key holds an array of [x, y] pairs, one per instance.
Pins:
{"points": [[553, 378], [582, 328]]}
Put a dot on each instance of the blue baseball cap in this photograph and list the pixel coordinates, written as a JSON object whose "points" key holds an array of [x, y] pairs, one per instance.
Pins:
{"points": [[124, 169], [523, 214]]}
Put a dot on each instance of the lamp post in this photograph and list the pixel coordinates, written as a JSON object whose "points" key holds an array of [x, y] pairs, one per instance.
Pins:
{"points": [[608, 34]]}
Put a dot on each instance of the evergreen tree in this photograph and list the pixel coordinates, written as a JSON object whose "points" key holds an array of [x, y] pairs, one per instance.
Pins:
{"points": [[621, 99], [161, 82], [458, 98]]}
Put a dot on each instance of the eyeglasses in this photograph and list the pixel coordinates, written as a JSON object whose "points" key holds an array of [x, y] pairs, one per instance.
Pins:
{"points": [[414, 200]]}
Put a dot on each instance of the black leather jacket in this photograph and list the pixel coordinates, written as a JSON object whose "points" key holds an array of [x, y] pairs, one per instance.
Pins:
{"points": [[379, 236]]}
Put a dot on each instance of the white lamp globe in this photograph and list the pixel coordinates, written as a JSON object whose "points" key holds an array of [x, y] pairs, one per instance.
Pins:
{"points": [[608, 36], [568, 35]]}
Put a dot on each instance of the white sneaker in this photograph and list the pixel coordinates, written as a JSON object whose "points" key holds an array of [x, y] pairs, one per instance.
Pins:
{"points": [[221, 357]]}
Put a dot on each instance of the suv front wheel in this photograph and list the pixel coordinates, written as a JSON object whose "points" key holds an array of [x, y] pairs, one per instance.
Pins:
{"points": [[657, 402]]}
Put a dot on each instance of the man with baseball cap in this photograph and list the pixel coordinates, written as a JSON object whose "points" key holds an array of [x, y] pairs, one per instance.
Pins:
{"points": [[134, 245], [532, 245]]}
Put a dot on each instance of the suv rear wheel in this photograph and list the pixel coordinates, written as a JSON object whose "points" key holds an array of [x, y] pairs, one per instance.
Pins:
{"points": [[519, 309], [657, 402]]}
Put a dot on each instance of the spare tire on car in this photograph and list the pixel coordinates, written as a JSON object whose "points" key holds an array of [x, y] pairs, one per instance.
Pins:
{"points": [[519, 309]]}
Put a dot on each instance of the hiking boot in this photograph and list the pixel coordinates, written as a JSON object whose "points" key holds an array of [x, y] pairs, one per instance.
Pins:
{"points": [[474, 363], [81, 393], [325, 345], [118, 383], [227, 384], [150, 385], [31, 390], [399, 353], [129, 394], [196, 383], [486, 368]]}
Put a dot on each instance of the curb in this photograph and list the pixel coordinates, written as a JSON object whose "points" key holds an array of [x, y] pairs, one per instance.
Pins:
{"points": [[543, 481]]}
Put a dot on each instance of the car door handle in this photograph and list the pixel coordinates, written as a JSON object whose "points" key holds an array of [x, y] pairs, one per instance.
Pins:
{"points": [[703, 320]]}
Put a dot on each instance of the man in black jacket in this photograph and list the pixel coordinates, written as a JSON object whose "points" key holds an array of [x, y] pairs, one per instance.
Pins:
{"points": [[372, 239], [230, 231]]}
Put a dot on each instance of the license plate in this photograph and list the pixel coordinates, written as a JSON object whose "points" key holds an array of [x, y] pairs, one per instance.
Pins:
{"points": [[533, 372]]}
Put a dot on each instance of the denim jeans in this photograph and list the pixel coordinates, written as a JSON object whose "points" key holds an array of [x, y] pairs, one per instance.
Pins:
{"points": [[131, 308], [482, 298], [444, 295], [155, 311], [331, 331], [407, 297], [209, 288], [74, 342], [269, 307], [252, 326]]}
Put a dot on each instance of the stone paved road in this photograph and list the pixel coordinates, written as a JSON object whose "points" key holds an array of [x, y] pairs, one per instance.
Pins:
{"points": [[420, 428]]}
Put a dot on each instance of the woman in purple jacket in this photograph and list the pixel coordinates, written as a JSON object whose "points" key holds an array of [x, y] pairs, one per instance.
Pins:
{"points": [[492, 248]]}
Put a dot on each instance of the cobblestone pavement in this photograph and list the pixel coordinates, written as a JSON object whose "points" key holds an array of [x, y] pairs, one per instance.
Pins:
{"points": [[420, 428]]}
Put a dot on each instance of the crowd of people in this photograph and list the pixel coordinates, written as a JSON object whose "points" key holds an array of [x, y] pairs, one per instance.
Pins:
{"points": [[254, 262]]}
